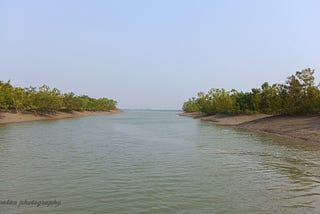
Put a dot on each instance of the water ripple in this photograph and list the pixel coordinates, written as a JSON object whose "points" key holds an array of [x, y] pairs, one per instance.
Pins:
{"points": [[155, 162]]}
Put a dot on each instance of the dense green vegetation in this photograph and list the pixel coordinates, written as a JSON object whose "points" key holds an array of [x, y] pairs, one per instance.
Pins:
{"points": [[48, 100], [298, 95]]}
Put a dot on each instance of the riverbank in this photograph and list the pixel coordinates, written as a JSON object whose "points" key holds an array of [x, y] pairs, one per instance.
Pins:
{"points": [[8, 117], [305, 128]]}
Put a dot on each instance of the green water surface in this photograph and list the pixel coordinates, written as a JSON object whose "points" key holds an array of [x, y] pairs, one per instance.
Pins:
{"points": [[154, 162]]}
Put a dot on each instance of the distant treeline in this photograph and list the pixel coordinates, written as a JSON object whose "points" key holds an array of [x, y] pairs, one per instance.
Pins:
{"points": [[298, 95], [48, 100]]}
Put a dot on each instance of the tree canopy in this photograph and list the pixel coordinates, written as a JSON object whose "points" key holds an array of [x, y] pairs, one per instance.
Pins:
{"points": [[298, 95], [48, 100]]}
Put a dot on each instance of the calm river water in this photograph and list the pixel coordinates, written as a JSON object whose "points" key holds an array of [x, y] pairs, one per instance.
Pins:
{"points": [[153, 162]]}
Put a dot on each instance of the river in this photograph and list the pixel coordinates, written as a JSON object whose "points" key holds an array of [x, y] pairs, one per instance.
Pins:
{"points": [[153, 162]]}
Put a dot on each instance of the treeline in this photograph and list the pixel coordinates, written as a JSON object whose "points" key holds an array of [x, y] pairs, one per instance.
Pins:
{"points": [[298, 95], [46, 100]]}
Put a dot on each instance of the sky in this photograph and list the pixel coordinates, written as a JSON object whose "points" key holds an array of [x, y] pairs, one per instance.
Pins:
{"points": [[155, 54]]}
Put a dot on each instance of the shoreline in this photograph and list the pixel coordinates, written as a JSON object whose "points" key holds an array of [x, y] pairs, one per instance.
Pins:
{"points": [[9, 117], [305, 128]]}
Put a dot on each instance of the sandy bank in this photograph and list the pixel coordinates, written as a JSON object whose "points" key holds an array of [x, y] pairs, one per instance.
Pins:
{"points": [[300, 127], [305, 128], [223, 119], [7, 117], [233, 120]]}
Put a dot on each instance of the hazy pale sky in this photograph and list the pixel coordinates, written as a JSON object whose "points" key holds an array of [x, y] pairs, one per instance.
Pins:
{"points": [[156, 53]]}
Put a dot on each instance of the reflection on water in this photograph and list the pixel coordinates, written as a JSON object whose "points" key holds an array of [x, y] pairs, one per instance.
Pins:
{"points": [[155, 162]]}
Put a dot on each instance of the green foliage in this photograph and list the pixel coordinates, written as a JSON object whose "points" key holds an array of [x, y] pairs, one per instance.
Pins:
{"points": [[48, 100], [6, 99], [298, 95], [221, 101], [191, 105]]}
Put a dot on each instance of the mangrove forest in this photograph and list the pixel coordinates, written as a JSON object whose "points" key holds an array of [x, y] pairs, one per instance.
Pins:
{"points": [[46, 100], [297, 96]]}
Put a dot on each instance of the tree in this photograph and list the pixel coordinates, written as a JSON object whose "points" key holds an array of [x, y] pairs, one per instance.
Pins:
{"points": [[6, 101], [72, 102], [47, 100], [18, 99], [191, 105], [299, 95], [270, 101]]}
